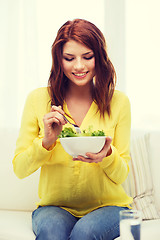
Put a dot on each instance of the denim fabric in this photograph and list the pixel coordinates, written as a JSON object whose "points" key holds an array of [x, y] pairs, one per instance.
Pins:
{"points": [[54, 223]]}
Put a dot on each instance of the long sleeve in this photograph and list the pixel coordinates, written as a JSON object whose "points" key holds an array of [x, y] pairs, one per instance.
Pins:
{"points": [[29, 153], [116, 165]]}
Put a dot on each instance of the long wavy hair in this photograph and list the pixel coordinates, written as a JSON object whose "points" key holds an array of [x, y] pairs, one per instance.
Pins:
{"points": [[88, 34]]}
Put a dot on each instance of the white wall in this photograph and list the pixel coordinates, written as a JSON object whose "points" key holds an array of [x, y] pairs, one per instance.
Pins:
{"points": [[143, 61], [115, 37], [133, 34]]}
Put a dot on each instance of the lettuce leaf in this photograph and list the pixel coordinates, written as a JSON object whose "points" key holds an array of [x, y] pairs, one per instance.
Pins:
{"points": [[70, 132]]}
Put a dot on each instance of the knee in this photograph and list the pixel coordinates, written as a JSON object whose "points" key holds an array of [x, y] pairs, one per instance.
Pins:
{"points": [[45, 232], [83, 231], [52, 233]]}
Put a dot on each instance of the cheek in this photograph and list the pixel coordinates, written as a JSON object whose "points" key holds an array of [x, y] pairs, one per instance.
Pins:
{"points": [[91, 65], [66, 66]]}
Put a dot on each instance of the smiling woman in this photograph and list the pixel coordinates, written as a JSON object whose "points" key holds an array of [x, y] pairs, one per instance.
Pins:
{"points": [[76, 190]]}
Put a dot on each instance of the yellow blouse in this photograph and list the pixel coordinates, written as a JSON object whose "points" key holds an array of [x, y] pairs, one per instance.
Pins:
{"points": [[76, 186]]}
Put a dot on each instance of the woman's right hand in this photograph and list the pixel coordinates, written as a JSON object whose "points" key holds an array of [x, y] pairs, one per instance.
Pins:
{"points": [[53, 122]]}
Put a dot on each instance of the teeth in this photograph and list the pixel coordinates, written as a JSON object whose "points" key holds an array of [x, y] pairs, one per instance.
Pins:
{"points": [[79, 74]]}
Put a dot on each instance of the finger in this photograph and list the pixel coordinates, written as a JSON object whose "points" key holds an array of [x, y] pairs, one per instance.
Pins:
{"points": [[50, 121], [92, 156], [88, 160], [83, 159], [58, 109], [109, 139], [55, 116], [107, 143], [95, 157], [78, 158], [100, 155], [60, 117]]}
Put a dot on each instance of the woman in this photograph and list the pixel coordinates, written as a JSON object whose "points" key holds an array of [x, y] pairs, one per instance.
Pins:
{"points": [[80, 197]]}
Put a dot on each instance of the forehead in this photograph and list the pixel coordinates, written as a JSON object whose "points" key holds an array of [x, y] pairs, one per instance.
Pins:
{"points": [[74, 47]]}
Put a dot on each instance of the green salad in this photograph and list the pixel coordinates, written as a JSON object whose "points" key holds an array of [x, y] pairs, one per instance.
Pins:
{"points": [[69, 132]]}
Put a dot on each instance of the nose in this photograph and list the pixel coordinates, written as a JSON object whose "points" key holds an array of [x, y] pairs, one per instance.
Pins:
{"points": [[79, 65]]}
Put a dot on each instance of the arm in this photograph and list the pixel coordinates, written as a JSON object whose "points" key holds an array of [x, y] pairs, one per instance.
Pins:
{"points": [[116, 164], [31, 151]]}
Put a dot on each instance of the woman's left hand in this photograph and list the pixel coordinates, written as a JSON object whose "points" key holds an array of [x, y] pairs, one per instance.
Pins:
{"points": [[97, 157]]}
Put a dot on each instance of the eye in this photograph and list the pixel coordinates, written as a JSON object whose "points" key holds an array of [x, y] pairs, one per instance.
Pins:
{"points": [[68, 59], [88, 58]]}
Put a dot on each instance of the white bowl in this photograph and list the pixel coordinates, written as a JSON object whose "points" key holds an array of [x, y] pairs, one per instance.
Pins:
{"points": [[75, 146]]}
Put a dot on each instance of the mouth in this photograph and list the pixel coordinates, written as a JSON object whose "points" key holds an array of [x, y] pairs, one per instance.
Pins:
{"points": [[80, 75]]}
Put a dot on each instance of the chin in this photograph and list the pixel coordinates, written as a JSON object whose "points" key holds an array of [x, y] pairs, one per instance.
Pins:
{"points": [[81, 82]]}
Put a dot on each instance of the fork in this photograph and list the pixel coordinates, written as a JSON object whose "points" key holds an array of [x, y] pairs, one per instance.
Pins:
{"points": [[78, 130]]}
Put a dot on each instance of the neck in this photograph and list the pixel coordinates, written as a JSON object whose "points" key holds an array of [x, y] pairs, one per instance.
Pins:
{"points": [[80, 92]]}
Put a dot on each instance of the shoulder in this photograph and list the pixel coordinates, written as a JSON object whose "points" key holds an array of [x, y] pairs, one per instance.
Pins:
{"points": [[120, 103], [120, 98], [38, 94], [38, 98], [119, 95], [120, 108]]}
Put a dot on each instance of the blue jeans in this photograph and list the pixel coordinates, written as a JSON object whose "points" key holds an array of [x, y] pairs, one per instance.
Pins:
{"points": [[55, 223]]}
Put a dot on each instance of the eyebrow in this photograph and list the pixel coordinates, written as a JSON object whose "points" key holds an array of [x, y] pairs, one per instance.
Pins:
{"points": [[82, 54]]}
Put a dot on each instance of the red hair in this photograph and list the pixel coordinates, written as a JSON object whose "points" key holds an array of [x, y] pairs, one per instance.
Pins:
{"points": [[88, 34]]}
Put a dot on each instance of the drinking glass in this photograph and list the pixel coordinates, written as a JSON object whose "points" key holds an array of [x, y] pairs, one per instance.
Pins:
{"points": [[130, 224]]}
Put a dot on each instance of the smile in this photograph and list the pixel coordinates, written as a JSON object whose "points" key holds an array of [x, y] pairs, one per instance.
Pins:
{"points": [[80, 74]]}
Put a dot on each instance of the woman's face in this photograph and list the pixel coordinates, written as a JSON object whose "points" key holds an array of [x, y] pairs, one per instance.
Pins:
{"points": [[78, 63]]}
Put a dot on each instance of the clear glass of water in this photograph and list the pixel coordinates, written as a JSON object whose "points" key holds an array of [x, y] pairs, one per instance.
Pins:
{"points": [[130, 224]]}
